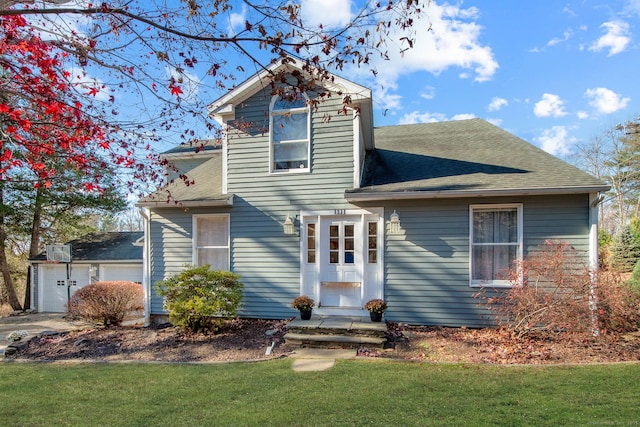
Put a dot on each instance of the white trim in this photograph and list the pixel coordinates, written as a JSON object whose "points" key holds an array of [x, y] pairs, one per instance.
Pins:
{"points": [[194, 228], [593, 231], [311, 288], [298, 110], [356, 149], [520, 223], [486, 192], [222, 109], [225, 160]]}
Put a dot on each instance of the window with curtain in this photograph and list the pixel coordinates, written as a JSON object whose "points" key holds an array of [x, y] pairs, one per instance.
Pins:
{"points": [[289, 124], [496, 243], [211, 241]]}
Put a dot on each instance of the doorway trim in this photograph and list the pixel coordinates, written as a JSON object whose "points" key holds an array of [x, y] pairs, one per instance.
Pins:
{"points": [[369, 277]]}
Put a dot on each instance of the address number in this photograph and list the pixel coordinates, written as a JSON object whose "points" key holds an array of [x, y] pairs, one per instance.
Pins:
{"points": [[339, 211]]}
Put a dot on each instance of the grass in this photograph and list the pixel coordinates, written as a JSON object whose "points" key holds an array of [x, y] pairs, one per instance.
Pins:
{"points": [[352, 393]]}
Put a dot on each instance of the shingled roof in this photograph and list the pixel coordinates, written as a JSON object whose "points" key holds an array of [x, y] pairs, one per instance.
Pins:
{"points": [[204, 187], [112, 246], [463, 158]]}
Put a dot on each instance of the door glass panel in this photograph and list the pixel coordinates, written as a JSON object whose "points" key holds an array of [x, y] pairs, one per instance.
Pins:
{"points": [[311, 243], [372, 242], [349, 244], [334, 244]]}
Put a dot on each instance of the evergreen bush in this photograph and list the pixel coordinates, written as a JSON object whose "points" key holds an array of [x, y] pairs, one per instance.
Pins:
{"points": [[625, 251], [199, 299]]}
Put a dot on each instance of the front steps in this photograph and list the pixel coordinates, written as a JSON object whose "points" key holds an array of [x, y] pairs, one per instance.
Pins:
{"points": [[336, 332]]}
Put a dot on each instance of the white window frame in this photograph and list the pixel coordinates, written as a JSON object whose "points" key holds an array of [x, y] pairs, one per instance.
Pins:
{"points": [[520, 244], [272, 112], [194, 240]]}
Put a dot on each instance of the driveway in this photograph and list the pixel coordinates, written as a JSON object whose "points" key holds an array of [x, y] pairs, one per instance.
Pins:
{"points": [[34, 324]]}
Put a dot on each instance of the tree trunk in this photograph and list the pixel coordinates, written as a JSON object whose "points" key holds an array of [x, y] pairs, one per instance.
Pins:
{"points": [[4, 262]]}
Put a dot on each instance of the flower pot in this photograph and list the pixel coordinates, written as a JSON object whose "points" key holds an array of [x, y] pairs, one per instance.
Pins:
{"points": [[375, 317], [305, 314]]}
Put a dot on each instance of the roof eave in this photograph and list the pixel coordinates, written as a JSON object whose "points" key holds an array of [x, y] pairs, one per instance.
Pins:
{"points": [[444, 194], [227, 201]]}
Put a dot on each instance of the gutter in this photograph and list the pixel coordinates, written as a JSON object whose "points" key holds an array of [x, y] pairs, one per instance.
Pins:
{"points": [[450, 194], [228, 201], [146, 265]]}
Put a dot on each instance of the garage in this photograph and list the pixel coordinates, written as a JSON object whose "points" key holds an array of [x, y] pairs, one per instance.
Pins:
{"points": [[95, 257]]}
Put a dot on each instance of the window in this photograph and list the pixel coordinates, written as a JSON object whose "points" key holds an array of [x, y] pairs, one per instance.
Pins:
{"points": [[496, 242], [342, 242], [289, 125], [211, 241]]}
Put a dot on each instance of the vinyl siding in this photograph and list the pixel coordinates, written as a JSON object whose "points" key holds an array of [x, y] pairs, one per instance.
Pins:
{"points": [[266, 258], [427, 266]]}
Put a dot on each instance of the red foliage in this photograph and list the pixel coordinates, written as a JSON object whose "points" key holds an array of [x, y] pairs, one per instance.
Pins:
{"points": [[44, 114]]}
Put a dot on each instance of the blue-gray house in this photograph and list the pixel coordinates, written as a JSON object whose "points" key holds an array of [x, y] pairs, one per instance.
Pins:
{"points": [[302, 200]]}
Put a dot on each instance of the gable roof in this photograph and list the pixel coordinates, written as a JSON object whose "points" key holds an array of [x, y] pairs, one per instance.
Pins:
{"points": [[223, 109], [111, 246], [203, 189], [463, 158]]}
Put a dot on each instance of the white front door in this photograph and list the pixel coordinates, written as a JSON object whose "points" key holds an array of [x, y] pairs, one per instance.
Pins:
{"points": [[342, 261]]}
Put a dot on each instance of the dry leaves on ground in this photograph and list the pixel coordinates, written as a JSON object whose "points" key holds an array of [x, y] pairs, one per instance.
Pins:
{"points": [[249, 339]]}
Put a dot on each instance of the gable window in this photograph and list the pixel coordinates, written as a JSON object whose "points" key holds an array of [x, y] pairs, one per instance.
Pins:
{"points": [[289, 133], [496, 243], [211, 241]]}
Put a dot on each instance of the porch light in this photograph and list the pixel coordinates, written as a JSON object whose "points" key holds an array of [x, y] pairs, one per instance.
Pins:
{"points": [[394, 223], [289, 226]]}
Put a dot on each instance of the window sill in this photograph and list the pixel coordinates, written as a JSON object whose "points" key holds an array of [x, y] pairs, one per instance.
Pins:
{"points": [[491, 285], [290, 172]]}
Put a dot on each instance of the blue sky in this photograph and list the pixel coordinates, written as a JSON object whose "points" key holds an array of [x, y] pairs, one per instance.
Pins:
{"points": [[555, 73]]}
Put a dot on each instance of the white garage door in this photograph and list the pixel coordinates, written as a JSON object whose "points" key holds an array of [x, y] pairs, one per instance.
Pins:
{"points": [[129, 273], [53, 285]]}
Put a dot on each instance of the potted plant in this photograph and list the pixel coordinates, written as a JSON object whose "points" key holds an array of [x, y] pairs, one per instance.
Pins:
{"points": [[376, 307], [305, 305]]}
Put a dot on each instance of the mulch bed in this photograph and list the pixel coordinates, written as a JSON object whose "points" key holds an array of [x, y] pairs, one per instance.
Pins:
{"points": [[248, 339]]}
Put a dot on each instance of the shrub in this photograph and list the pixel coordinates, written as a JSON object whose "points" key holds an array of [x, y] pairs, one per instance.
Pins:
{"points": [[618, 303], [634, 280], [199, 299], [106, 302], [625, 251], [553, 289]]}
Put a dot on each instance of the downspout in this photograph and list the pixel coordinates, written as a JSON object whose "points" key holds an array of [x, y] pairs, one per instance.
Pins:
{"points": [[146, 265], [594, 200]]}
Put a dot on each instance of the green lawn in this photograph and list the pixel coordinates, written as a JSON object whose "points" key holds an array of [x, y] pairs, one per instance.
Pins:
{"points": [[353, 393]]}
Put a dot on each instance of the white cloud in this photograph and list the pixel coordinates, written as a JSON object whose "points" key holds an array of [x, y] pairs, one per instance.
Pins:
{"points": [[549, 106], [582, 115], [417, 117], [632, 7], [328, 13], [237, 20], [446, 36], [616, 38], [428, 92], [497, 103], [556, 141], [606, 101], [464, 116], [557, 40]]}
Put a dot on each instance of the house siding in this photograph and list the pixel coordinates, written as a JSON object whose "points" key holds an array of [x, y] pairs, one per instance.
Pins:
{"points": [[427, 265], [267, 259]]}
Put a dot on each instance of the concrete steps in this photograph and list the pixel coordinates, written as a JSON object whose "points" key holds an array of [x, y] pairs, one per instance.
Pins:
{"points": [[336, 332]]}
